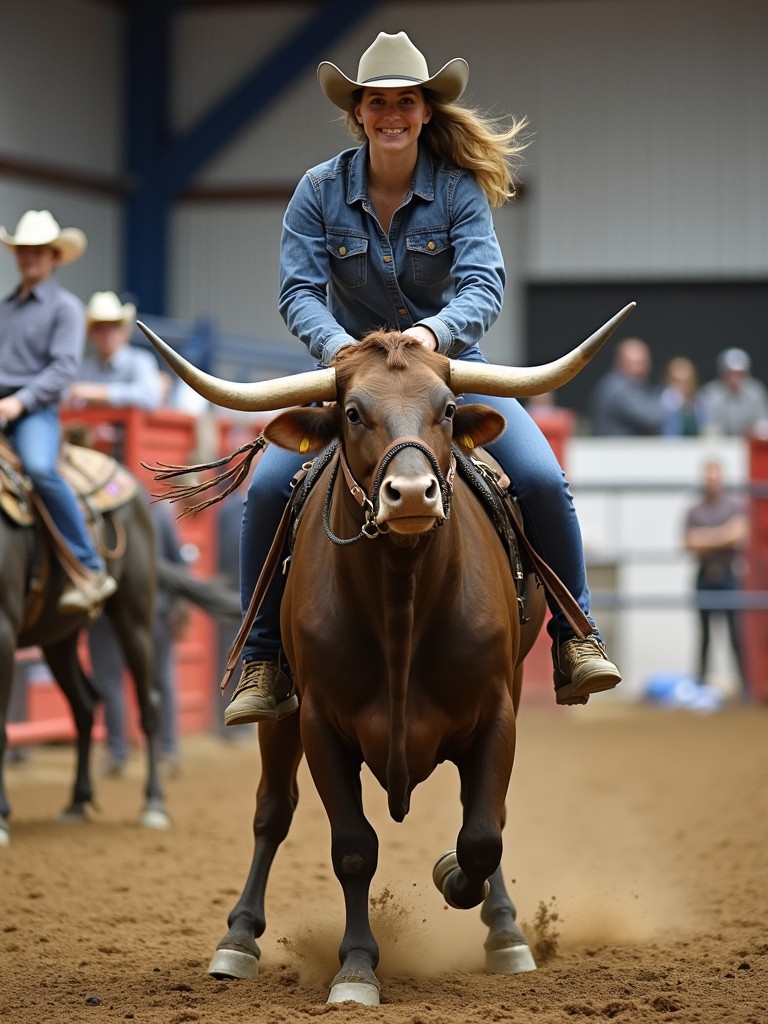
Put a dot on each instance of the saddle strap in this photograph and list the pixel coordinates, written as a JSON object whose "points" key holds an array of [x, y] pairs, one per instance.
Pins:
{"points": [[262, 583], [77, 572], [549, 578]]}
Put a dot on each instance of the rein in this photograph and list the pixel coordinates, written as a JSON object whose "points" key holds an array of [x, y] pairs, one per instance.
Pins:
{"points": [[369, 503]]}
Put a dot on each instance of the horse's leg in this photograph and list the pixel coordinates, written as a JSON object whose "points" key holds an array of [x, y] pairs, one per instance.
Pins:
{"points": [[133, 625], [64, 663], [7, 649], [131, 610], [354, 853], [237, 955]]}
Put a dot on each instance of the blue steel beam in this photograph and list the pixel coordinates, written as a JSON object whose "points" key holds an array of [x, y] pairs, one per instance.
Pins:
{"points": [[164, 167]]}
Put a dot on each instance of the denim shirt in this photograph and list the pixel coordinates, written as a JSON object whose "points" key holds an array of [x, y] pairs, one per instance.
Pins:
{"points": [[342, 276]]}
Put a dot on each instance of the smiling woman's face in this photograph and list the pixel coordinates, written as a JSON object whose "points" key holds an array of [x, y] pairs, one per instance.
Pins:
{"points": [[392, 119]]}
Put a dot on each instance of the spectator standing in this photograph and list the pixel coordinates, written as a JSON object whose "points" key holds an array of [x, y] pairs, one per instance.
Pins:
{"points": [[171, 621], [685, 412], [624, 402], [736, 402], [716, 532]]}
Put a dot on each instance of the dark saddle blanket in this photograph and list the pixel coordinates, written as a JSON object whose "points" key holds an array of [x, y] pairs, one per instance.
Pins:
{"points": [[100, 482]]}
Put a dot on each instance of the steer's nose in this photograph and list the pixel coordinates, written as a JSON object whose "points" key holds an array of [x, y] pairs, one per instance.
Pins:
{"points": [[412, 495]]}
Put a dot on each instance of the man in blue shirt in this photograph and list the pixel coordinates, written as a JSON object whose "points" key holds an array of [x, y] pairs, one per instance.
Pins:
{"points": [[41, 344], [115, 373]]}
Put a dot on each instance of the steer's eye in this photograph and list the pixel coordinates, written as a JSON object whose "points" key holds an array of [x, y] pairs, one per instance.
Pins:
{"points": [[450, 411], [353, 416]]}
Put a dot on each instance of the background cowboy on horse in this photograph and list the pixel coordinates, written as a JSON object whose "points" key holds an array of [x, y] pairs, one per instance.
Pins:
{"points": [[42, 334]]}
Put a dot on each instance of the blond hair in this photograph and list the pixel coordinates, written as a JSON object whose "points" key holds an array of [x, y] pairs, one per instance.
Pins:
{"points": [[490, 148]]}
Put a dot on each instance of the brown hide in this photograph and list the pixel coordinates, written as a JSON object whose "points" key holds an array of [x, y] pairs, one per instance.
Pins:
{"points": [[408, 644]]}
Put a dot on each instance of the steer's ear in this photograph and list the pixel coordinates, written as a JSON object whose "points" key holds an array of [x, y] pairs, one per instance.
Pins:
{"points": [[476, 425], [305, 429]]}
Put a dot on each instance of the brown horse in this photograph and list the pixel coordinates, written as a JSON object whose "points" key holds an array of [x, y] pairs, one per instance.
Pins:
{"points": [[23, 551], [403, 627]]}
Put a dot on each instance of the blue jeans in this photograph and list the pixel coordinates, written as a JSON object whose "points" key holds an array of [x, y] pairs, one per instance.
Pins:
{"points": [[537, 481], [36, 437]]}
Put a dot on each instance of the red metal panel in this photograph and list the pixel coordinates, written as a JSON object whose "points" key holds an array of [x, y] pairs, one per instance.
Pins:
{"points": [[754, 624]]}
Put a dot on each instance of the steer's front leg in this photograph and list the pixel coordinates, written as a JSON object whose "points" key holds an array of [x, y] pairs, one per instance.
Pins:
{"points": [[485, 770], [354, 852]]}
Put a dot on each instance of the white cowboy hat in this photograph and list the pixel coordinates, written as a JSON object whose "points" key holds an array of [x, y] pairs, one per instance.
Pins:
{"points": [[106, 308], [392, 61], [38, 227]]}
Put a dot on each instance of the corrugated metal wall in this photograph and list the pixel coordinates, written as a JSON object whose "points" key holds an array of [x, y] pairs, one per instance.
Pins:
{"points": [[649, 156], [60, 104]]}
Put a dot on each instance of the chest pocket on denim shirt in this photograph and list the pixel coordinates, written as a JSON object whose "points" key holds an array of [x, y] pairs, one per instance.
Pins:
{"points": [[431, 256], [349, 258]]}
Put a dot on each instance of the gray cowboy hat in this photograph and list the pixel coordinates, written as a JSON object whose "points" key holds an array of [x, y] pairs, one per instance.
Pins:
{"points": [[393, 62]]}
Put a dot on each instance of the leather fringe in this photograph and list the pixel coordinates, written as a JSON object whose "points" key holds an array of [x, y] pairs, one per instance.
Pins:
{"points": [[225, 483]]}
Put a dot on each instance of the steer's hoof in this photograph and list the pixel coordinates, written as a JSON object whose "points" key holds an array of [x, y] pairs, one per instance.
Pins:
{"points": [[233, 963], [355, 992], [442, 871], [515, 959]]}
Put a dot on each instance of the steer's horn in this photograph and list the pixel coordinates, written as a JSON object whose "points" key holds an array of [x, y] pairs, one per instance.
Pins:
{"points": [[522, 381], [262, 396]]}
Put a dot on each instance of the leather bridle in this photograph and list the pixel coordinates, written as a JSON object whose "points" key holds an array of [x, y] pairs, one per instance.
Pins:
{"points": [[369, 503]]}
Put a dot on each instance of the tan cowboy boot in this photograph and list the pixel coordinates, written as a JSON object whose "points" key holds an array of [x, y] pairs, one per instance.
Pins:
{"points": [[89, 597], [264, 693], [582, 667]]}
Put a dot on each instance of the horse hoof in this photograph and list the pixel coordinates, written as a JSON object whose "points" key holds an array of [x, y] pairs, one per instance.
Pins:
{"points": [[154, 817], [72, 816], [5, 836], [233, 963], [512, 960], [355, 992], [443, 868]]}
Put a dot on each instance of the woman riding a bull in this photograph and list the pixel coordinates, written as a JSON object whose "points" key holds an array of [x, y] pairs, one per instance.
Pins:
{"points": [[397, 232]]}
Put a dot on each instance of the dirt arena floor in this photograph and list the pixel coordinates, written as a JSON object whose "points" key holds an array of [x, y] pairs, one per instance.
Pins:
{"points": [[637, 853]]}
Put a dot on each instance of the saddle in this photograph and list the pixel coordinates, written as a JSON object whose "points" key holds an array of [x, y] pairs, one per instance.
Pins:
{"points": [[101, 484]]}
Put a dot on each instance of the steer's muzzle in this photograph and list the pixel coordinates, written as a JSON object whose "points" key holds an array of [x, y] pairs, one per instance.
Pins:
{"points": [[410, 502]]}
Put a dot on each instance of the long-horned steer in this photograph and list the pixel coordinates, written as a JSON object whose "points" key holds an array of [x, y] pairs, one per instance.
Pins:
{"points": [[401, 624]]}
